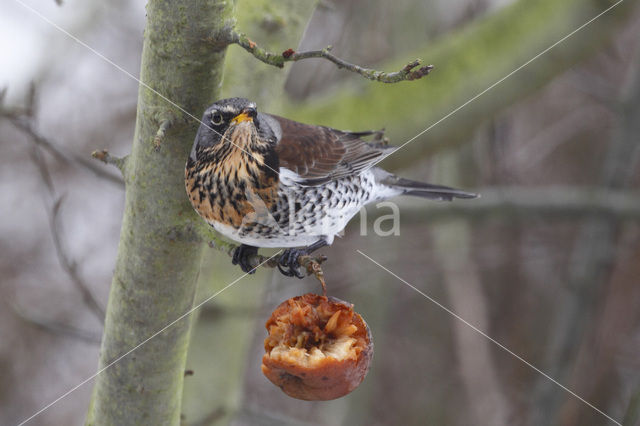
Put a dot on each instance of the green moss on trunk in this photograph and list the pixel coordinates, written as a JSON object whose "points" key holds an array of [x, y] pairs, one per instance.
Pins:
{"points": [[157, 265]]}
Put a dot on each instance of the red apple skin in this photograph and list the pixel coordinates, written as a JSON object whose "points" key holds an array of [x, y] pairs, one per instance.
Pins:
{"points": [[330, 378]]}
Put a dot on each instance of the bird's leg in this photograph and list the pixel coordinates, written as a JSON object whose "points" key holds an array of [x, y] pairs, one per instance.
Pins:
{"points": [[289, 258], [241, 256]]}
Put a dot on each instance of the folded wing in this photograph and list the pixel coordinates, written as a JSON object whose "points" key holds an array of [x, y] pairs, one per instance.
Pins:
{"points": [[318, 154]]}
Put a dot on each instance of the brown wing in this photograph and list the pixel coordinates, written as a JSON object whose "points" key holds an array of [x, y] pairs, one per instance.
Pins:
{"points": [[319, 154]]}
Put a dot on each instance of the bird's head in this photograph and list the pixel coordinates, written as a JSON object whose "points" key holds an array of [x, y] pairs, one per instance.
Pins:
{"points": [[229, 120]]}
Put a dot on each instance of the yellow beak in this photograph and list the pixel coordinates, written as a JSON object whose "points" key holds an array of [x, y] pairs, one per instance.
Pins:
{"points": [[241, 117]]}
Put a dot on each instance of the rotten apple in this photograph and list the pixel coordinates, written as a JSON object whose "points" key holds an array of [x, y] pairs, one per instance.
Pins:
{"points": [[318, 348]]}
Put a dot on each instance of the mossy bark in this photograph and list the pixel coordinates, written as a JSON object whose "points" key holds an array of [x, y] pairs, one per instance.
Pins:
{"points": [[159, 254]]}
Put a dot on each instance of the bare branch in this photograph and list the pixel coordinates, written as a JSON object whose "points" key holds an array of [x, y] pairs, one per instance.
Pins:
{"points": [[45, 176], [408, 72], [71, 267], [22, 120], [560, 201], [67, 264], [56, 327]]}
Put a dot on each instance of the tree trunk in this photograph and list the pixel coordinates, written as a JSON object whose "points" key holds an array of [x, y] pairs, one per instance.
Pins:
{"points": [[159, 254]]}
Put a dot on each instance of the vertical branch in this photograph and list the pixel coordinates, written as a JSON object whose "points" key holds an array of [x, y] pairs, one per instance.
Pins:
{"points": [[464, 288], [155, 276]]}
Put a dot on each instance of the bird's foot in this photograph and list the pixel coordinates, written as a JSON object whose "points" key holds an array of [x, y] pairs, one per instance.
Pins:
{"points": [[242, 256], [288, 263]]}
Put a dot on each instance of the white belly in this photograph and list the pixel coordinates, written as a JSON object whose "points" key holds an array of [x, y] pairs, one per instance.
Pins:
{"points": [[281, 240]]}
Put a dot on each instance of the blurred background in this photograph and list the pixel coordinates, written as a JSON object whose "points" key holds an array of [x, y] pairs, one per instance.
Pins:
{"points": [[547, 262]]}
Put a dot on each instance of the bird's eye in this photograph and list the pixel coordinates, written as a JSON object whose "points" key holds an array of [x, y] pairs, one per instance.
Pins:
{"points": [[216, 119]]}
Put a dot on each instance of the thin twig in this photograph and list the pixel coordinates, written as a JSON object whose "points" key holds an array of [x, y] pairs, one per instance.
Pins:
{"points": [[41, 165], [107, 158], [408, 72], [312, 266], [68, 265], [56, 327], [71, 267], [23, 122], [162, 129], [23, 118]]}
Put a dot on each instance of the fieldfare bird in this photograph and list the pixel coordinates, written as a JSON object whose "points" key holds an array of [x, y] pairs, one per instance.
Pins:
{"points": [[266, 181]]}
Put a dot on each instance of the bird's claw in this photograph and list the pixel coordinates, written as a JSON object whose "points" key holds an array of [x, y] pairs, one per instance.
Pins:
{"points": [[289, 260], [242, 256]]}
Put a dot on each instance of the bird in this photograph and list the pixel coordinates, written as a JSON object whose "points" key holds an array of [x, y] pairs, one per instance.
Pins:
{"points": [[263, 180]]}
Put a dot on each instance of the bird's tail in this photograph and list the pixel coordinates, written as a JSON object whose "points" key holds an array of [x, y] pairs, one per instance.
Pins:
{"points": [[401, 186]]}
